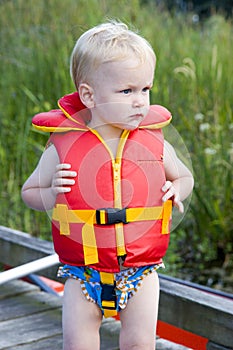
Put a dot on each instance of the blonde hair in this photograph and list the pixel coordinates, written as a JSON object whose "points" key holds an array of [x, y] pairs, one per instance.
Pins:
{"points": [[106, 42]]}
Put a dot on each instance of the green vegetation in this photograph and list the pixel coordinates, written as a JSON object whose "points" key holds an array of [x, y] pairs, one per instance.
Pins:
{"points": [[193, 79]]}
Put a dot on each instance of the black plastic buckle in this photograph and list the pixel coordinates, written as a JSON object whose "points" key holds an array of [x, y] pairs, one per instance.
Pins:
{"points": [[108, 293], [112, 216]]}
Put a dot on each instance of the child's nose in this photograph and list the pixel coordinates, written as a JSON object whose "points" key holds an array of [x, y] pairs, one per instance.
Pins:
{"points": [[138, 101]]}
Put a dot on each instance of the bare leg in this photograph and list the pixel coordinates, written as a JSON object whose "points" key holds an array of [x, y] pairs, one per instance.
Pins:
{"points": [[81, 319], [139, 318]]}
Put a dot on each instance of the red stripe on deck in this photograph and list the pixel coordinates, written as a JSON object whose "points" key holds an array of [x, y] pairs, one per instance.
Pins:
{"points": [[180, 336]]}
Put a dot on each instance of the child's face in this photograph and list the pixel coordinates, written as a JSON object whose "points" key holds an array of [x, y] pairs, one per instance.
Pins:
{"points": [[121, 93]]}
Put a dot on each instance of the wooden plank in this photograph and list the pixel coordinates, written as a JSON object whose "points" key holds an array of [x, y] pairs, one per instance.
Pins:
{"points": [[162, 344], [51, 343], [28, 315], [25, 241], [18, 248], [27, 304], [31, 328], [15, 288], [212, 346], [199, 312]]}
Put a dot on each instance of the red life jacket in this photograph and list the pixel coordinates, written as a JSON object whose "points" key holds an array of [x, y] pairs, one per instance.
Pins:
{"points": [[115, 207]]}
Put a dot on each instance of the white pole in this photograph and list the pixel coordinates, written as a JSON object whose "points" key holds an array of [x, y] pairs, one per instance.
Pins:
{"points": [[26, 269]]}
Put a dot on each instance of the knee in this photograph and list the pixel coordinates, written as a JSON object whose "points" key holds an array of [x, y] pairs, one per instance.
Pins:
{"points": [[137, 343]]}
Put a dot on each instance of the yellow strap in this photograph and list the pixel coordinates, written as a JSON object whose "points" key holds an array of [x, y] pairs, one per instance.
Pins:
{"points": [[89, 243], [120, 240], [64, 216], [142, 214], [107, 278], [108, 303], [60, 212], [109, 313], [167, 211]]}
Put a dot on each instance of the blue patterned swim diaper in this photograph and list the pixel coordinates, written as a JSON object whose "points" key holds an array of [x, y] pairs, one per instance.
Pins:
{"points": [[127, 282]]}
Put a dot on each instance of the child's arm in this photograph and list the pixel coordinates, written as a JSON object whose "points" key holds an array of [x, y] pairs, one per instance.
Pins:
{"points": [[180, 181], [48, 179]]}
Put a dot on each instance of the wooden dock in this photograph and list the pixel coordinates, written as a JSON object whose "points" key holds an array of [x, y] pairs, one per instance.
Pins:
{"points": [[31, 320]]}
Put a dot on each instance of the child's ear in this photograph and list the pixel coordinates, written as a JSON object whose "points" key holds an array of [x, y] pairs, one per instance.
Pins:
{"points": [[86, 95]]}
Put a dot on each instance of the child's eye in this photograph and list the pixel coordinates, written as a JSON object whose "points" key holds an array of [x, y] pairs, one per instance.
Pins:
{"points": [[126, 91], [145, 89]]}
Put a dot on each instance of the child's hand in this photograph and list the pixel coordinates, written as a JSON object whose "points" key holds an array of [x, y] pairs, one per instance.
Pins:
{"points": [[63, 179], [171, 192]]}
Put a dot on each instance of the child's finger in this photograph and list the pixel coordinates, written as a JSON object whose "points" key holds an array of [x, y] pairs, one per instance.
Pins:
{"points": [[167, 185], [63, 182], [62, 166], [62, 189], [63, 174], [177, 202], [168, 195]]}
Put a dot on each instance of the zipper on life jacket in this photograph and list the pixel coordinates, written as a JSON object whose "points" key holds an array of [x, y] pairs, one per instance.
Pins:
{"points": [[117, 192], [116, 167]]}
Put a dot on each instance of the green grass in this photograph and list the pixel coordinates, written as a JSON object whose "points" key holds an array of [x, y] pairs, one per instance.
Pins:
{"points": [[193, 80]]}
